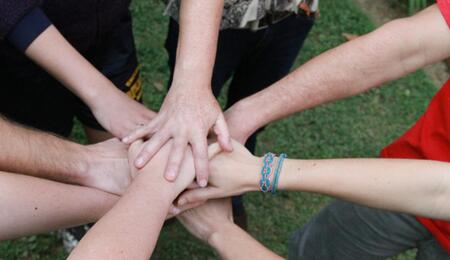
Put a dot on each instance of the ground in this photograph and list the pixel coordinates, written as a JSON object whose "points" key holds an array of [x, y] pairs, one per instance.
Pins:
{"points": [[357, 127]]}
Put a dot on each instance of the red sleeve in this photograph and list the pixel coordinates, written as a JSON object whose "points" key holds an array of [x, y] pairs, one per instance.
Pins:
{"points": [[444, 6]]}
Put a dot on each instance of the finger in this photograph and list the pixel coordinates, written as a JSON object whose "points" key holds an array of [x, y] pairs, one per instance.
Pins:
{"points": [[173, 211], [222, 133], [151, 147], [193, 185], [213, 150], [175, 158], [200, 152], [197, 195], [189, 206], [141, 132], [134, 148]]}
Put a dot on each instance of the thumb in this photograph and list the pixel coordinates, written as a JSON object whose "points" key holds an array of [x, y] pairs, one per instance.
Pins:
{"points": [[197, 195], [213, 150], [222, 133]]}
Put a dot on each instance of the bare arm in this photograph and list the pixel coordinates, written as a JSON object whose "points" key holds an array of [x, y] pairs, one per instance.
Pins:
{"points": [[390, 52], [130, 230], [53, 53], [43, 155], [241, 246], [418, 187], [32, 205], [213, 223], [189, 110]]}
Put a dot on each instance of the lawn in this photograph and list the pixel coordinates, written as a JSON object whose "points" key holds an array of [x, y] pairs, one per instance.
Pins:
{"points": [[356, 127]]}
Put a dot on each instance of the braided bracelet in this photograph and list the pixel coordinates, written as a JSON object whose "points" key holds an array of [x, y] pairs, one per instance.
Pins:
{"points": [[264, 183]]}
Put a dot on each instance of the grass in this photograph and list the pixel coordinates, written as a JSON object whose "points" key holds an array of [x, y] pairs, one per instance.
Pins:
{"points": [[356, 127]]}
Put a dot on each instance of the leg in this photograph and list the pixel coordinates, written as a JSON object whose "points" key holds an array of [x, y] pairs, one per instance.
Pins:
{"points": [[269, 60], [430, 249], [344, 230], [31, 205]]}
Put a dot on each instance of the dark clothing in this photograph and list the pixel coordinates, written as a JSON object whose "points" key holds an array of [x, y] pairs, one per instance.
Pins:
{"points": [[347, 231], [32, 97], [82, 22], [254, 60]]}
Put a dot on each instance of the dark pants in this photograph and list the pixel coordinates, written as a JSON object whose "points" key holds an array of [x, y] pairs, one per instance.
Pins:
{"points": [[253, 60], [345, 230]]}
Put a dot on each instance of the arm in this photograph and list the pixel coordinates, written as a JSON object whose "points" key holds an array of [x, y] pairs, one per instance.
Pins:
{"points": [[130, 230], [53, 53], [390, 52], [32, 205], [42, 155], [190, 110], [213, 224], [418, 187]]}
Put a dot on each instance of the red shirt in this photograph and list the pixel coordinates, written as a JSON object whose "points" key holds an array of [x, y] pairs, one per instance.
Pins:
{"points": [[429, 139]]}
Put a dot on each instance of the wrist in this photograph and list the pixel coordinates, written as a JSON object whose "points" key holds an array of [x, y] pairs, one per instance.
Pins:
{"points": [[185, 81], [242, 120], [98, 92], [252, 175], [80, 165], [222, 232]]}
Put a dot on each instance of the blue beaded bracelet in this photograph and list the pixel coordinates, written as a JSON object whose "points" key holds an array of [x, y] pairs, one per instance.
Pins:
{"points": [[277, 173], [264, 183]]}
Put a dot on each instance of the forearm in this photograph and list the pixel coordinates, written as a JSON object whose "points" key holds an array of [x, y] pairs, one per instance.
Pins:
{"points": [[197, 44], [418, 187], [55, 54], [40, 154], [392, 51], [130, 230], [241, 246], [32, 205]]}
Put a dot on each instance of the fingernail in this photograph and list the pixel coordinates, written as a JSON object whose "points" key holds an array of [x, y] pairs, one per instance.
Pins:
{"points": [[139, 162], [125, 139], [202, 183], [175, 211], [181, 202], [170, 175]]}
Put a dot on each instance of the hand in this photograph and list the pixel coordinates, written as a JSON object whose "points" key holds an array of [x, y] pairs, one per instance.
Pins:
{"points": [[204, 221], [155, 168], [120, 114], [231, 174], [187, 117], [107, 167]]}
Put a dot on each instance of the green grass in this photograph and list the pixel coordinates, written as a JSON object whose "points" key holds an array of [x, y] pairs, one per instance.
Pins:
{"points": [[356, 127]]}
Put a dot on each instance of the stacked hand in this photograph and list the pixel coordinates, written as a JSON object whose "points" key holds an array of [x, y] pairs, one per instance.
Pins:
{"points": [[107, 167], [231, 174], [187, 118], [120, 114]]}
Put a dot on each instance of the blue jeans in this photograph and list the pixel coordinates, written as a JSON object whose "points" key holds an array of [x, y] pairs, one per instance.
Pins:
{"points": [[253, 60], [347, 231]]}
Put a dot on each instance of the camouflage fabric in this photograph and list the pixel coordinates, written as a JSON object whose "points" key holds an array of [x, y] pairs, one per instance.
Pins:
{"points": [[247, 13]]}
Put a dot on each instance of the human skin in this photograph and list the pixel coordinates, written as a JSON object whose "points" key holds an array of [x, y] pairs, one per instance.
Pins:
{"points": [[213, 224], [53, 52], [417, 187], [31, 205], [390, 52], [131, 228], [189, 111], [26, 151]]}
